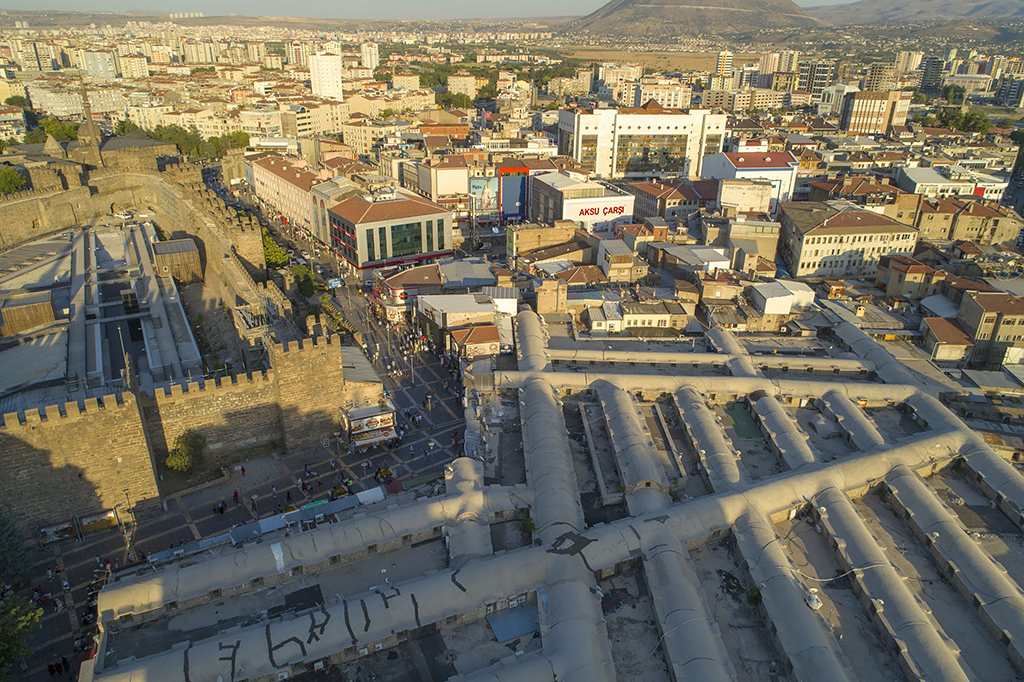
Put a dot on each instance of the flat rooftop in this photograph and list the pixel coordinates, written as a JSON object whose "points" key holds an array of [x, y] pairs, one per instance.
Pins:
{"points": [[650, 512]]}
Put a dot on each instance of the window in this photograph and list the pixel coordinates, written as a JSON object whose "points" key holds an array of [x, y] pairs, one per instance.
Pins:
{"points": [[369, 246], [430, 235], [440, 235], [382, 235], [406, 239]]}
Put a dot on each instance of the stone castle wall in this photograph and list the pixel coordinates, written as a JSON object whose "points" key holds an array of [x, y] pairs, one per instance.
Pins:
{"points": [[80, 458], [75, 458]]}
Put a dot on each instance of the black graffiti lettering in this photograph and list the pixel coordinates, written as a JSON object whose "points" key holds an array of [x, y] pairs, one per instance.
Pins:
{"points": [[271, 647]]}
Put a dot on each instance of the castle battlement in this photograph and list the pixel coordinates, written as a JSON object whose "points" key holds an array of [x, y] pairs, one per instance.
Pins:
{"points": [[69, 411], [192, 389], [307, 344]]}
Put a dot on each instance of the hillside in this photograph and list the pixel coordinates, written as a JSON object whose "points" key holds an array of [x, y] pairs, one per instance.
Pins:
{"points": [[655, 18], [901, 11]]}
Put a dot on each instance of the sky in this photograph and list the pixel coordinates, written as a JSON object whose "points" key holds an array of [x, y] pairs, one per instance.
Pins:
{"points": [[350, 9]]}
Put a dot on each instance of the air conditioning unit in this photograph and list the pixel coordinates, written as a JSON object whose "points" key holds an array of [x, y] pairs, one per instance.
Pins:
{"points": [[319, 518], [283, 675], [319, 665]]}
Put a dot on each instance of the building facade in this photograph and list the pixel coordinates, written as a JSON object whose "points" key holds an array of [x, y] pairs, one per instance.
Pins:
{"points": [[874, 113], [641, 143], [325, 71], [388, 227]]}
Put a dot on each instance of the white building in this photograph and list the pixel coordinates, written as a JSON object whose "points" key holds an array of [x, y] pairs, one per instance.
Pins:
{"points": [[593, 206], [940, 181], [99, 65], [778, 168], [369, 55], [134, 66], [641, 142], [325, 72]]}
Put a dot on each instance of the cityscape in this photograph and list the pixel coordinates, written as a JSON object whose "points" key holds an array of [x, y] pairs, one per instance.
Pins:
{"points": [[651, 341]]}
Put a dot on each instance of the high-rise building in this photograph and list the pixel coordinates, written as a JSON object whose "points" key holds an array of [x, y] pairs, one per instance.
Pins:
{"points": [[99, 65], [369, 56], [789, 60], [724, 63], [769, 64], [325, 76], [908, 60], [874, 113], [134, 66], [931, 73], [815, 76], [641, 143], [298, 53], [1009, 91], [880, 76]]}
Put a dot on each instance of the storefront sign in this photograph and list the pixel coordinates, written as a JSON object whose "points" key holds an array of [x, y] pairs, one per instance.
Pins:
{"points": [[594, 211], [377, 421]]}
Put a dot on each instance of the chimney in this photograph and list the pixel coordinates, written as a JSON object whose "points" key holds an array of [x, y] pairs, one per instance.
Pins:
{"points": [[859, 311]]}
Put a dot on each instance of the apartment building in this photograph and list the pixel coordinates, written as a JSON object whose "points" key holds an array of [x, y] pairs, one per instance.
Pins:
{"points": [[665, 200], [134, 67], [669, 94], [640, 143], [12, 123], [361, 134], [967, 219], [839, 239], [283, 186], [874, 113], [908, 279], [375, 104], [995, 322], [369, 56], [816, 75], [745, 99], [879, 77], [99, 65], [325, 75], [66, 101], [462, 83], [389, 227], [305, 119]]}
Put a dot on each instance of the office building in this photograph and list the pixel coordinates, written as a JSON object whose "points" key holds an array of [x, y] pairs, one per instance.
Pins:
{"points": [[839, 239], [387, 227], [593, 206], [669, 94], [325, 72], [640, 142], [369, 56], [874, 113]]}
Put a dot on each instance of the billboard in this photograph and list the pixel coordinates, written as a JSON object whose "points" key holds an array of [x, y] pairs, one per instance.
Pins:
{"points": [[485, 196], [377, 421], [513, 197]]}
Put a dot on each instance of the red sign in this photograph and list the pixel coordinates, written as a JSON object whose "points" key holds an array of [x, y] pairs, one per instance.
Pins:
{"points": [[598, 211]]}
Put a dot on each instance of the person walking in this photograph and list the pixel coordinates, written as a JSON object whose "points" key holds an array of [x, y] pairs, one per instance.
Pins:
{"points": [[243, 471], [236, 498], [273, 491]]}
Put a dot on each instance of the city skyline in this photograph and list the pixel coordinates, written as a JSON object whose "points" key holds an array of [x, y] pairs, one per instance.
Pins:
{"points": [[400, 10]]}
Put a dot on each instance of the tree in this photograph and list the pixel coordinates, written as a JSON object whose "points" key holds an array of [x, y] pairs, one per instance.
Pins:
{"points": [[18, 617], [954, 94], [187, 451], [17, 101], [273, 254], [124, 126], [14, 558], [11, 180], [919, 98], [304, 280]]}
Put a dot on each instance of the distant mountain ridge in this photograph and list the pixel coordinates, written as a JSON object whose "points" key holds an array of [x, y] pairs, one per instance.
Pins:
{"points": [[657, 18], [902, 11]]}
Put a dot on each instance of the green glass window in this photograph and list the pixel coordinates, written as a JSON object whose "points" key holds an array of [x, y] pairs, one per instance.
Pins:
{"points": [[369, 246], [406, 239], [440, 235], [430, 236], [382, 235]]}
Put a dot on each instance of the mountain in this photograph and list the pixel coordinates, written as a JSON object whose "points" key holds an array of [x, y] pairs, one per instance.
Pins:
{"points": [[903, 11], [658, 18]]}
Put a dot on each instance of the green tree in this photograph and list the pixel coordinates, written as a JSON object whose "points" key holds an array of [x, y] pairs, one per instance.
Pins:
{"points": [[202, 69], [17, 101], [239, 138], [11, 180], [954, 94], [304, 280], [458, 100], [919, 98], [14, 557], [18, 617], [124, 126], [273, 254], [187, 451]]}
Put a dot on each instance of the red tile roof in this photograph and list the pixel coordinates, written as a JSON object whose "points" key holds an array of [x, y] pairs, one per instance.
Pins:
{"points": [[948, 330], [357, 210], [761, 159]]}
